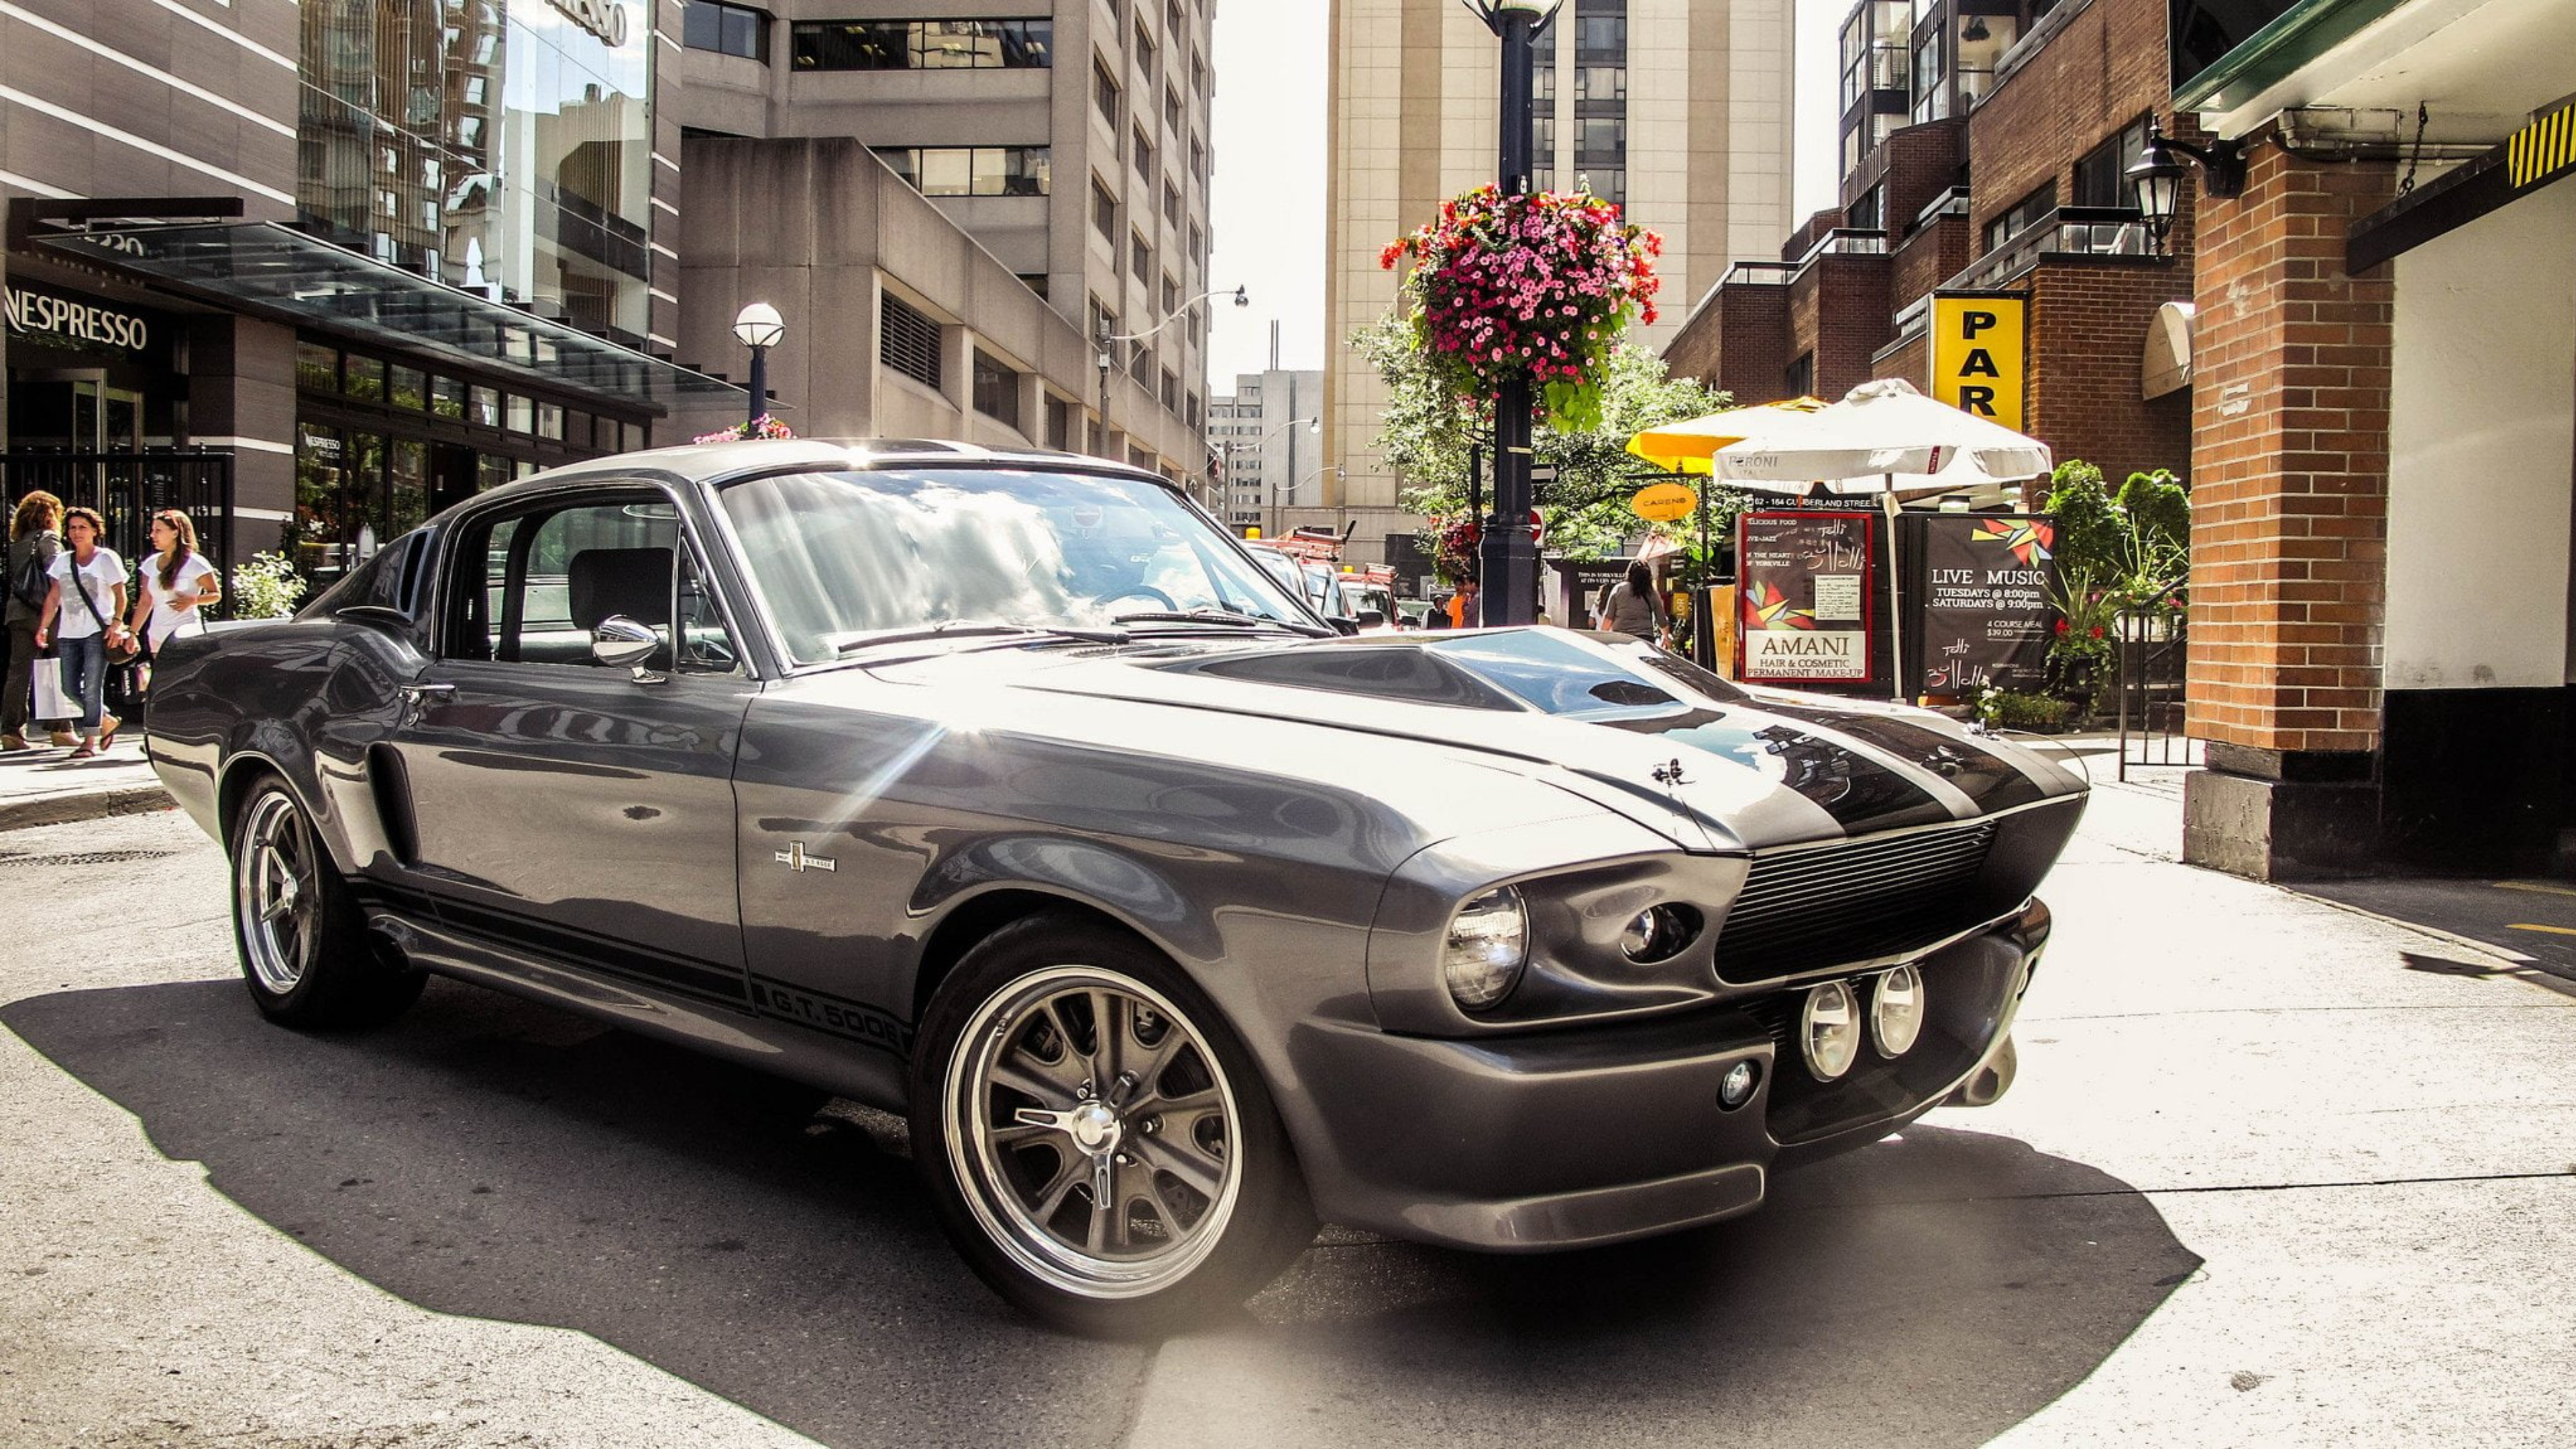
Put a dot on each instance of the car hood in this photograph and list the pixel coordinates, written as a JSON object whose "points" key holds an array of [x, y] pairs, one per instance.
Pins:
{"points": [[1707, 762]]}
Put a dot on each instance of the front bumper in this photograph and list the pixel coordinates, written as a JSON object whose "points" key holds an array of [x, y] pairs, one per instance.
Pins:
{"points": [[1566, 1139]]}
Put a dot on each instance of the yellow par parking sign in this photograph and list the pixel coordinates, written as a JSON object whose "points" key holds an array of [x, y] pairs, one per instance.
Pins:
{"points": [[1980, 353]]}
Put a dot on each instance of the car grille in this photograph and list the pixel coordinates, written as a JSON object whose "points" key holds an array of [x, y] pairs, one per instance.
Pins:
{"points": [[1822, 906]]}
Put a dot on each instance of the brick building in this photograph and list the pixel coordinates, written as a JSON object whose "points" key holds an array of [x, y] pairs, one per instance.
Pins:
{"points": [[1984, 143], [2384, 421]]}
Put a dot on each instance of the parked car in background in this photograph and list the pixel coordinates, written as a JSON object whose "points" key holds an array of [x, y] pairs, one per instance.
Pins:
{"points": [[1007, 791]]}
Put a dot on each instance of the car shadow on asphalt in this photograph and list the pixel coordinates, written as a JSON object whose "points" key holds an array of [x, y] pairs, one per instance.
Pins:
{"points": [[491, 1157]]}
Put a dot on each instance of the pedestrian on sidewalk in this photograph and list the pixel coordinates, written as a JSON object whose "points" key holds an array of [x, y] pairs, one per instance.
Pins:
{"points": [[1633, 607], [88, 603], [33, 544], [177, 585]]}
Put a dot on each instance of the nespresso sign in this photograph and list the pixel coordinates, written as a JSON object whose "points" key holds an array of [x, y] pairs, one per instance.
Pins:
{"points": [[603, 18], [46, 315]]}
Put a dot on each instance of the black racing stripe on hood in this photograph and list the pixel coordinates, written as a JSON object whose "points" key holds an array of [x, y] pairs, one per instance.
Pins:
{"points": [[1860, 793], [1995, 784]]}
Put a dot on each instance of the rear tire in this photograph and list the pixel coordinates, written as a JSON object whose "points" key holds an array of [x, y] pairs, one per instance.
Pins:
{"points": [[1100, 1146], [306, 952]]}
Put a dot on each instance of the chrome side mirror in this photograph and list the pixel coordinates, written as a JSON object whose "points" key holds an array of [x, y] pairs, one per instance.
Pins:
{"points": [[621, 643], [1372, 619]]}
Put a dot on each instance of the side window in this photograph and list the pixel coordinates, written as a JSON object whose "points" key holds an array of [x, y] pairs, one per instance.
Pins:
{"points": [[532, 586]]}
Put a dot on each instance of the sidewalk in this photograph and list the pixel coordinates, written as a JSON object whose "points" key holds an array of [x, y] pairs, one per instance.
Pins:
{"points": [[46, 786]]}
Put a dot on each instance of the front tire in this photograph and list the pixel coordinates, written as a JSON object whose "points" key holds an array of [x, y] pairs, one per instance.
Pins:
{"points": [[305, 950], [1100, 1147]]}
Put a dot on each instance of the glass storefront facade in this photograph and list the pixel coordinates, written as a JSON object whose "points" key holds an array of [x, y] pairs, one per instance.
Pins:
{"points": [[380, 445], [504, 146]]}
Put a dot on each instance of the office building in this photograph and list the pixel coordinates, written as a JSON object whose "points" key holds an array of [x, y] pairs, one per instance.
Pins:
{"points": [[1678, 110], [1265, 436]]}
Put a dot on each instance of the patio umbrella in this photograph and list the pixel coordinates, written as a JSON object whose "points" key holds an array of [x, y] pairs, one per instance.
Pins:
{"points": [[1684, 447], [1883, 438]]}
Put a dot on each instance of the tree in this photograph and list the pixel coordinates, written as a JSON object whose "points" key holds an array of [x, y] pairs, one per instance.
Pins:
{"points": [[1427, 434]]}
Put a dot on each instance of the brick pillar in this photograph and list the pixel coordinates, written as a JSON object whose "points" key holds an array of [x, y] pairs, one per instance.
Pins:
{"points": [[2290, 391]]}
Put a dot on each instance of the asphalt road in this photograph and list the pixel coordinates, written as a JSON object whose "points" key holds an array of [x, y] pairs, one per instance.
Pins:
{"points": [[2274, 1173]]}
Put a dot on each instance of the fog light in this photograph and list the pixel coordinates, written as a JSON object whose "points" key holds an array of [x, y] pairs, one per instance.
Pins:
{"points": [[1829, 1030], [1658, 933], [1488, 942], [1736, 1087], [1896, 1010]]}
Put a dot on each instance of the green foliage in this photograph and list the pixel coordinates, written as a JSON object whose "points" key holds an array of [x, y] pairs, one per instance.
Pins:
{"points": [[2158, 509], [2006, 709], [2088, 524], [1426, 433], [267, 587]]}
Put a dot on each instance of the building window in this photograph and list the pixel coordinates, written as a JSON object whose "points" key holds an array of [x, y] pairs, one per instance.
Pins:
{"points": [[1140, 153], [1104, 91], [1198, 158], [1145, 52], [1198, 74], [1601, 28], [1104, 209], [1171, 391], [1600, 141], [1173, 22], [907, 340], [1035, 282], [1140, 257], [1863, 215], [1198, 246], [1171, 203], [1931, 82], [1802, 376], [726, 29], [922, 44], [2021, 215], [1171, 294], [972, 170], [2101, 179], [1600, 83], [997, 389], [1059, 423]]}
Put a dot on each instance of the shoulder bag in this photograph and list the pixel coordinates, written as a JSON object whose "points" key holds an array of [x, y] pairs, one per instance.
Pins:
{"points": [[125, 653]]}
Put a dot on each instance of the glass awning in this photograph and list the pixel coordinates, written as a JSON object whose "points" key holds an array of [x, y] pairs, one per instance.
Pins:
{"points": [[274, 270]]}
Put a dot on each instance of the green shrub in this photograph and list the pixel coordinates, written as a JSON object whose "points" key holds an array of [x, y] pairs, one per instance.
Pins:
{"points": [[2089, 527], [2006, 709], [267, 587], [2159, 510]]}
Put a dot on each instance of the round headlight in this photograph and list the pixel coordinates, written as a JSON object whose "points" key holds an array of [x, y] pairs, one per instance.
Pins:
{"points": [[1829, 1030], [1487, 946], [1658, 933], [1896, 1010], [1736, 1087]]}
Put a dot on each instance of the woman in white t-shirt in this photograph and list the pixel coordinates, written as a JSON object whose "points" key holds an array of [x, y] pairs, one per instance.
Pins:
{"points": [[82, 617], [177, 584]]}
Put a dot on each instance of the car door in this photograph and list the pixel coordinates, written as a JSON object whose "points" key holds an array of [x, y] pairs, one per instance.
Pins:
{"points": [[563, 804]]}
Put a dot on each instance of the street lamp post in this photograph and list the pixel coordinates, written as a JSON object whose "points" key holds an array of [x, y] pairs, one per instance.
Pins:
{"points": [[1288, 497], [759, 327], [1508, 559]]}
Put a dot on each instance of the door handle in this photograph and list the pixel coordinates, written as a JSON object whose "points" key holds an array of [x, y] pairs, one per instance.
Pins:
{"points": [[418, 692]]}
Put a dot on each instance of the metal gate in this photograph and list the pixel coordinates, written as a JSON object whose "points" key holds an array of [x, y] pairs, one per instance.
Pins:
{"points": [[128, 488]]}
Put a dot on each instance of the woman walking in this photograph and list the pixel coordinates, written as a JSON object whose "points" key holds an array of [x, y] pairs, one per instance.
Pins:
{"points": [[1633, 607], [88, 602], [33, 543], [177, 584]]}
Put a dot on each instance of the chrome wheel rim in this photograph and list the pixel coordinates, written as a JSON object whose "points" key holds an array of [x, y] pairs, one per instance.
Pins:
{"points": [[276, 893], [1092, 1132]]}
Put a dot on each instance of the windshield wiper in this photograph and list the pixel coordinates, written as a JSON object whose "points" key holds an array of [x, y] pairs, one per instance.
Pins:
{"points": [[978, 628], [1227, 618]]}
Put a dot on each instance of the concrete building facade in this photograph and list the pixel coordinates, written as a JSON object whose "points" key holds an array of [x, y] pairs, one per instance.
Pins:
{"points": [[1265, 436], [1065, 147], [1678, 110], [315, 271]]}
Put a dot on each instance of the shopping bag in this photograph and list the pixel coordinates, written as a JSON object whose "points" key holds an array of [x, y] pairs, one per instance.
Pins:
{"points": [[54, 697]]}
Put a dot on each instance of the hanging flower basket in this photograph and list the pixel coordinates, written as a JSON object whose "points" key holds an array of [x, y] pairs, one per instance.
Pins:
{"points": [[1454, 545], [764, 426], [1537, 286]]}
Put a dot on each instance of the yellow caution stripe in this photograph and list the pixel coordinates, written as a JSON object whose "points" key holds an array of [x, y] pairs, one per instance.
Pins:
{"points": [[2541, 149]]}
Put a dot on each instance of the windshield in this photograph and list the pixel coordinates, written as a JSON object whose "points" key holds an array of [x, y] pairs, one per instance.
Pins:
{"points": [[839, 557]]}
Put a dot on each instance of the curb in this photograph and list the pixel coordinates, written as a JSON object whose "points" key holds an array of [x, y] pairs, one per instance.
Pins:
{"points": [[94, 805]]}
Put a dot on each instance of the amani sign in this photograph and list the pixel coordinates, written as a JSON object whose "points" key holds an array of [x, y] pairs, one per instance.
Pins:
{"points": [[1980, 353], [1985, 617], [1804, 596]]}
